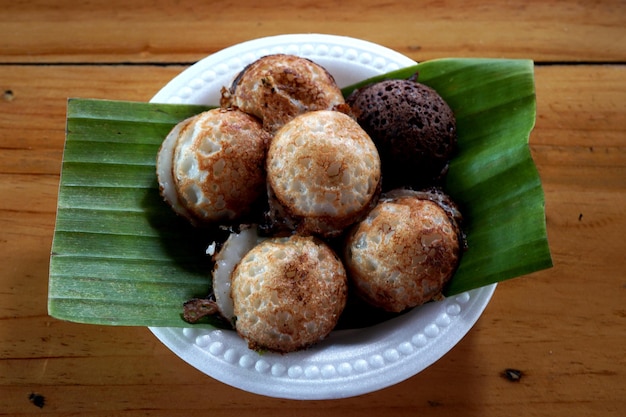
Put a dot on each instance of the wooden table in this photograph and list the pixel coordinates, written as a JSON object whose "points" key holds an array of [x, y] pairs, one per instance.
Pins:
{"points": [[564, 328]]}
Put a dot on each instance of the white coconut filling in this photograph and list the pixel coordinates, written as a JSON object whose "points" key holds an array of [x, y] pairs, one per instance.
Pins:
{"points": [[164, 169], [235, 248]]}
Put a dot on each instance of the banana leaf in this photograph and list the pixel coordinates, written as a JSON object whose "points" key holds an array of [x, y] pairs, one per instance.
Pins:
{"points": [[121, 257]]}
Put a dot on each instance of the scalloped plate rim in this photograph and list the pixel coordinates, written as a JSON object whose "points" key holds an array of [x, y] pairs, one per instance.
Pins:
{"points": [[349, 362]]}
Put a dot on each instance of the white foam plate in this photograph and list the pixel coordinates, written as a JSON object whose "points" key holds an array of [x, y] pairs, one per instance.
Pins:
{"points": [[348, 362]]}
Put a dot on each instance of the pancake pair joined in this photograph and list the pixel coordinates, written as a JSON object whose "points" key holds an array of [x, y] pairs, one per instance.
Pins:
{"points": [[211, 167]]}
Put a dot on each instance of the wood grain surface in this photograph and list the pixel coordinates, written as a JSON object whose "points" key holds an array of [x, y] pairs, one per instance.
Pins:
{"points": [[564, 328]]}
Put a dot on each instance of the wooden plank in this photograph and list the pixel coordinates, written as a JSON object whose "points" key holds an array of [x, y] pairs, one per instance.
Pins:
{"points": [[163, 31]]}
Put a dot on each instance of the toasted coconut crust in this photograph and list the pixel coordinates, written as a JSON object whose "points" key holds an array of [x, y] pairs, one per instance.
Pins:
{"points": [[288, 293], [276, 88], [403, 253], [444, 201], [217, 166], [323, 172]]}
